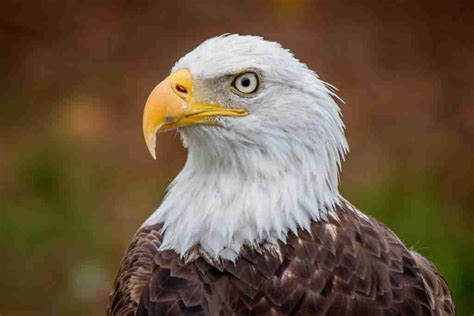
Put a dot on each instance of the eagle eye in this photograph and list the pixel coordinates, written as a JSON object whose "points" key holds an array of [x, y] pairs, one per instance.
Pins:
{"points": [[246, 83]]}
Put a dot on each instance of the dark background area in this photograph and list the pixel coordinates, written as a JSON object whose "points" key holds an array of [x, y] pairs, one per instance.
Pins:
{"points": [[76, 180]]}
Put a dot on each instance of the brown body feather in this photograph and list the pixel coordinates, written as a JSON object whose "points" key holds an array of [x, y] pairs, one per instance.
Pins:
{"points": [[348, 265]]}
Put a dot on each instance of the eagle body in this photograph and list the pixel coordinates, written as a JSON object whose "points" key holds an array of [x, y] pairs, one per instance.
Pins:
{"points": [[348, 264], [254, 223]]}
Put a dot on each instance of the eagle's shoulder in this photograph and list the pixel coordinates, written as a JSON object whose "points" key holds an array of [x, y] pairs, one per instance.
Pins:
{"points": [[152, 282], [387, 276], [135, 271]]}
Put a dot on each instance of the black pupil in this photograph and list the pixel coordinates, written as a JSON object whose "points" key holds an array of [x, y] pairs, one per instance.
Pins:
{"points": [[245, 82]]}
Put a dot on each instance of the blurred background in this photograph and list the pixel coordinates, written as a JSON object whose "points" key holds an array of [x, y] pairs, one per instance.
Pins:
{"points": [[76, 180]]}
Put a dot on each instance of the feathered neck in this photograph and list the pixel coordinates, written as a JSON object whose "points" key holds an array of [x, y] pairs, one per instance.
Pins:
{"points": [[241, 193]]}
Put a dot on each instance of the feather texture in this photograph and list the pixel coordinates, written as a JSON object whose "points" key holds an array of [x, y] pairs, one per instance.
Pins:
{"points": [[347, 264]]}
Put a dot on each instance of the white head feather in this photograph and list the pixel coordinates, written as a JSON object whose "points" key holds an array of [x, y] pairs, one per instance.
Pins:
{"points": [[259, 176]]}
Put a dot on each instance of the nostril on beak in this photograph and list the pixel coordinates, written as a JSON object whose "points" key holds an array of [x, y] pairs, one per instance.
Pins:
{"points": [[181, 89]]}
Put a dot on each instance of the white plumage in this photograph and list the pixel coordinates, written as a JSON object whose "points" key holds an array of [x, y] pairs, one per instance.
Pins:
{"points": [[259, 176]]}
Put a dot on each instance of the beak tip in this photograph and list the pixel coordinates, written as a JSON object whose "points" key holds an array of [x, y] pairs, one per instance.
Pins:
{"points": [[153, 155], [151, 145]]}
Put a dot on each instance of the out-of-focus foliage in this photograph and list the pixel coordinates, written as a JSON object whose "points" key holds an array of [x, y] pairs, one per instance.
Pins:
{"points": [[76, 180]]}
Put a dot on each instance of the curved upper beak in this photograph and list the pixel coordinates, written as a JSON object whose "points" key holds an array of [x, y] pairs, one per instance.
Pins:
{"points": [[170, 105]]}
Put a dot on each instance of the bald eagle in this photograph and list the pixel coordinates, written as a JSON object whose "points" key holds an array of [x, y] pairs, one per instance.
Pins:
{"points": [[254, 223]]}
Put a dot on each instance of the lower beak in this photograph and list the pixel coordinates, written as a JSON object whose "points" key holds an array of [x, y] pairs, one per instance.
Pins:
{"points": [[170, 106]]}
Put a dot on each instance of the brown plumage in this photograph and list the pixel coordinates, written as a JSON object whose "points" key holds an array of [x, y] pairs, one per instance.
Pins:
{"points": [[349, 264]]}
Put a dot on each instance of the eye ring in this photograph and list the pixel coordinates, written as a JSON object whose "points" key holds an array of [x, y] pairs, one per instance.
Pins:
{"points": [[246, 83]]}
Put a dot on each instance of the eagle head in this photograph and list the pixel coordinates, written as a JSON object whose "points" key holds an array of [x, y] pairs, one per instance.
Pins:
{"points": [[258, 124]]}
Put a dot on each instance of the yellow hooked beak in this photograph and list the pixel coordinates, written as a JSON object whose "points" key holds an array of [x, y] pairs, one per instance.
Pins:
{"points": [[170, 105]]}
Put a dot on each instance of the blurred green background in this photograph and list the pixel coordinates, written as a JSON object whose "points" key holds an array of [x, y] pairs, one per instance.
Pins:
{"points": [[76, 180]]}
